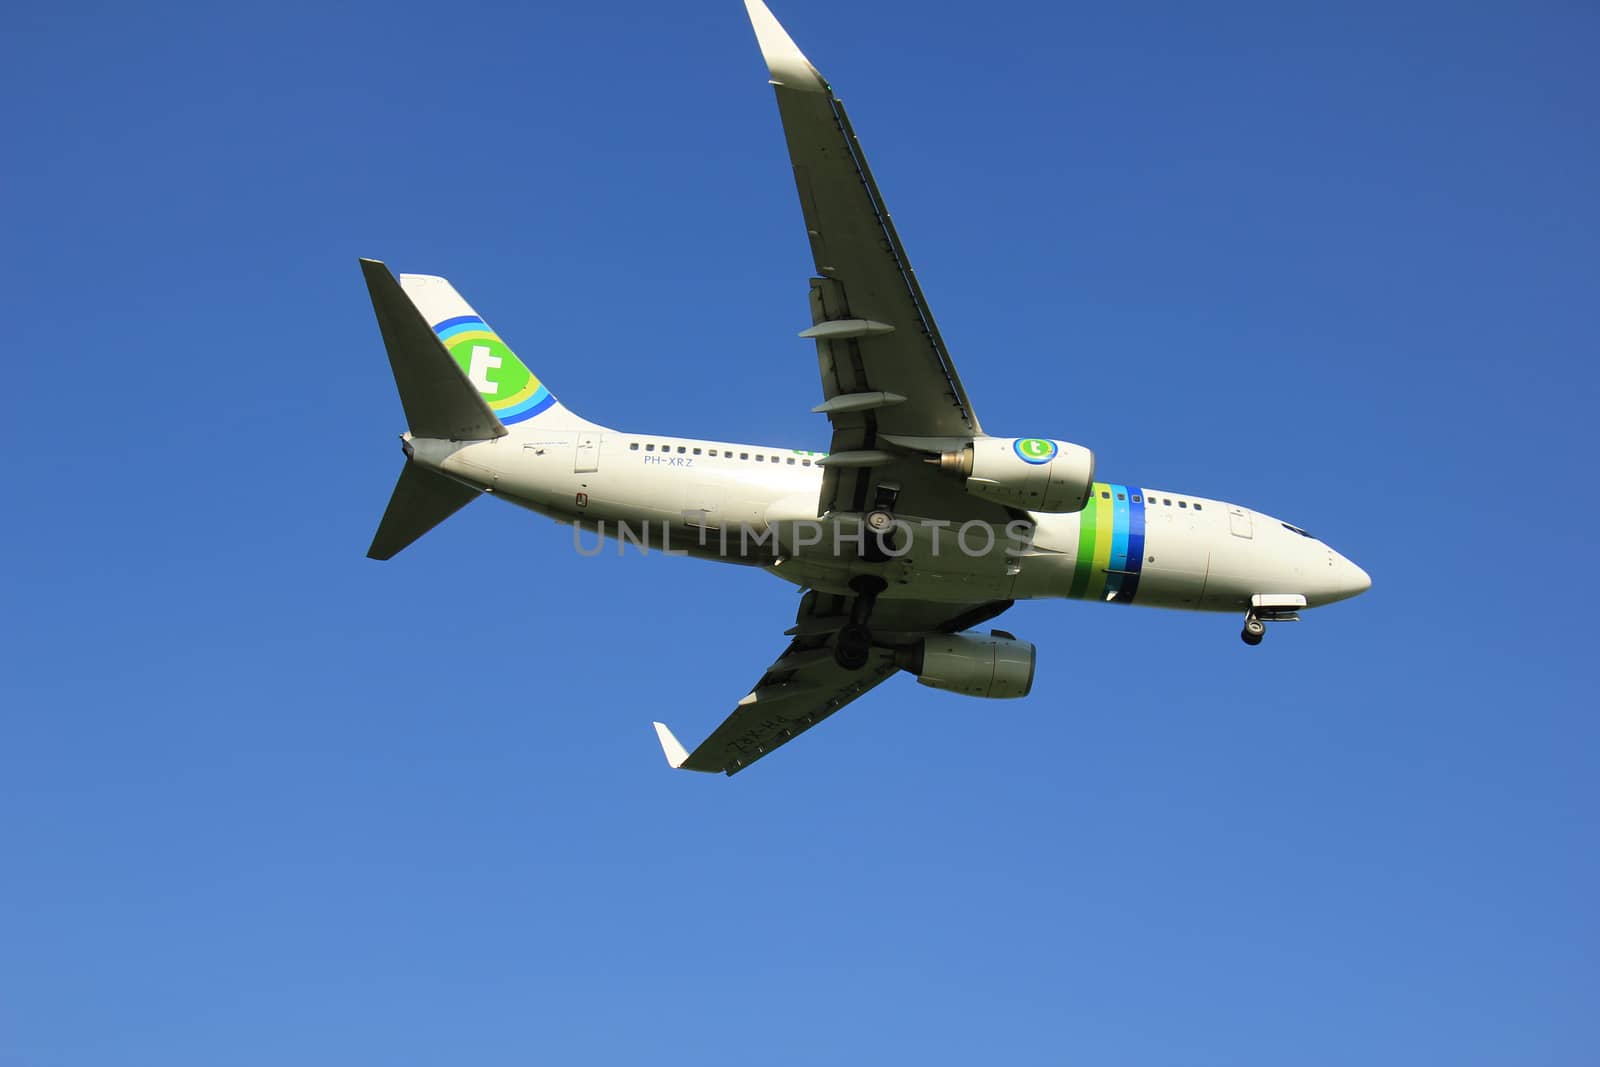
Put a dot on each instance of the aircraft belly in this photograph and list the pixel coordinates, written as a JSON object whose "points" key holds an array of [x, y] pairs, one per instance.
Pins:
{"points": [[905, 581], [929, 563]]}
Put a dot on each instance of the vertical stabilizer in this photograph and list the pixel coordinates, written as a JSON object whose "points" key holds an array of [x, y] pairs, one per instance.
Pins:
{"points": [[438, 399]]}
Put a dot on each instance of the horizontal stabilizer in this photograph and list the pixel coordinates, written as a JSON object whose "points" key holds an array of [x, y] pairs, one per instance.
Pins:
{"points": [[422, 500], [438, 399]]}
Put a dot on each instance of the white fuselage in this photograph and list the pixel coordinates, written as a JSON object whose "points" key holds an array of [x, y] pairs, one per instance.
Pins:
{"points": [[757, 505]]}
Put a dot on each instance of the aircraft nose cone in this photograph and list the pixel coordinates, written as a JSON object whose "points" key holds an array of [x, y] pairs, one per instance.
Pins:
{"points": [[1356, 581]]}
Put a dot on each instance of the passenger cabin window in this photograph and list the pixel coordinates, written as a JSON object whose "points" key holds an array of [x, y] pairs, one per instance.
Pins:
{"points": [[791, 461], [634, 447], [1121, 496], [649, 448], [1183, 503], [1137, 499], [805, 463], [697, 451], [682, 450], [1105, 494], [744, 455], [1166, 502], [1197, 507]]}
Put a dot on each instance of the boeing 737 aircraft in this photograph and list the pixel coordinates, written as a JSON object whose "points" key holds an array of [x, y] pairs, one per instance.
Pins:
{"points": [[915, 525]]}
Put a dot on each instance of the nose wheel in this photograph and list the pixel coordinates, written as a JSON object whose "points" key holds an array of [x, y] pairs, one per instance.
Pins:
{"points": [[1269, 607]]}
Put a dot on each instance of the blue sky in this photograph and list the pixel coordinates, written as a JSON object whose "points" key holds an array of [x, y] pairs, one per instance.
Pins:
{"points": [[268, 800]]}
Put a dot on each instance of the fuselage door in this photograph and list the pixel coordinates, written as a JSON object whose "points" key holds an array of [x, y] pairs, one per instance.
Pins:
{"points": [[588, 459], [1239, 521]]}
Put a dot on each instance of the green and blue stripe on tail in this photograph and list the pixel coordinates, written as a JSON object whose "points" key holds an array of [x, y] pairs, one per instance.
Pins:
{"points": [[512, 391]]}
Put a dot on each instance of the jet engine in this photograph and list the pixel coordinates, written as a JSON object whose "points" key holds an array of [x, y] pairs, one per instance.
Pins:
{"points": [[1035, 473], [994, 666]]}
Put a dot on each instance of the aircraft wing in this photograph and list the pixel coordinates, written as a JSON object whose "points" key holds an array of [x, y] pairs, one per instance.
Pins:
{"points": [[885, 370], [804, 685]]}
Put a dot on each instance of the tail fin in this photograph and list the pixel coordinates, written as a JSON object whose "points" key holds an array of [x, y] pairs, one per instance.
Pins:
{"points": [[512, 391], [422, 500], [458, 381], [438, 401]]}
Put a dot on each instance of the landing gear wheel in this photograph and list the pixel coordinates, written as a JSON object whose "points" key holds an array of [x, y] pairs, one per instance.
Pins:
{"points": [[1254, 631], [879, 520], [852, 647]]}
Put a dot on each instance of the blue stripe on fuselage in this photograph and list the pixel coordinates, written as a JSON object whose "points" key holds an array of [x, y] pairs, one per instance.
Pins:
{"points": [[1119, 526], [1135, 546], [1119, 541]]}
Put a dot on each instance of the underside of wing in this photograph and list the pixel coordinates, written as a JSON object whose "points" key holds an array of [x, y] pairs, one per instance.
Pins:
{"points": [[889, 385], [875, 335], [805, 684]]}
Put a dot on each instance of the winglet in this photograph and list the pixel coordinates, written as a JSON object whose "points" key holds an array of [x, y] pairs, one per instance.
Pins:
{"points": [[676, 756], [788, 65]]}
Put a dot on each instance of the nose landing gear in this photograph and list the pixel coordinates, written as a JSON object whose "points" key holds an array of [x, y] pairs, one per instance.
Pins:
{"points": [[1269, 607]]}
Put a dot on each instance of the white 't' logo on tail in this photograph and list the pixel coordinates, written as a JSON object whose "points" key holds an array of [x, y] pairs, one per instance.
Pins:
{"points": [[478, 368]]}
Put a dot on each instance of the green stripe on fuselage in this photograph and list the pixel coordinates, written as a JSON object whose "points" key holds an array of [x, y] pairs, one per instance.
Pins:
{"points": [[1089, 524]]}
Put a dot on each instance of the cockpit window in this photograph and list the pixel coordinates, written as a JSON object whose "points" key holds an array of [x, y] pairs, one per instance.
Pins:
{"points": [[1296, 529]]}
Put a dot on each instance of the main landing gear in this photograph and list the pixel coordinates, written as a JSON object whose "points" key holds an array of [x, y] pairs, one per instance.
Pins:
{"points": [[852, 647], [1255, 629]]}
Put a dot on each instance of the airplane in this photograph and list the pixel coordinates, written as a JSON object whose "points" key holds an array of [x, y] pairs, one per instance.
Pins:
{"points": [[913, 528]]}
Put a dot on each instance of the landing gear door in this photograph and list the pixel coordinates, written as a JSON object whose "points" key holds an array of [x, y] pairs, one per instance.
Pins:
{"points": [[1239, 523], [588, 459]]}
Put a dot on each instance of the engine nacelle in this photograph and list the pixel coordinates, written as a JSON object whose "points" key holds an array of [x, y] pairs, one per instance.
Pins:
{"points": [[1034, 473], [994, 666]]}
